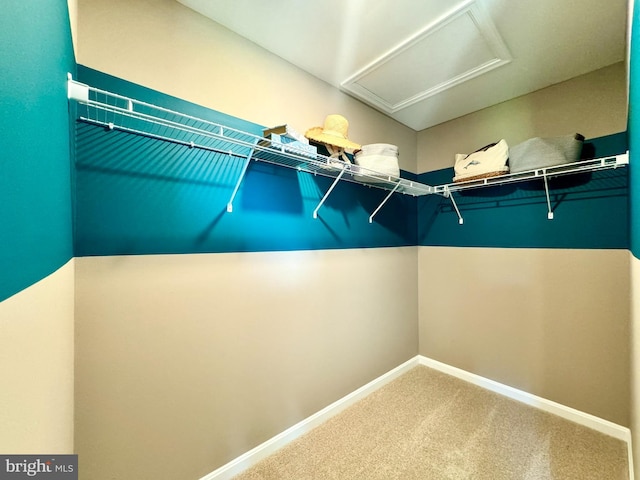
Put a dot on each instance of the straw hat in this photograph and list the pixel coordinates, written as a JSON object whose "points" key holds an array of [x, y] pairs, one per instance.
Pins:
{"points": [[334, 132]]}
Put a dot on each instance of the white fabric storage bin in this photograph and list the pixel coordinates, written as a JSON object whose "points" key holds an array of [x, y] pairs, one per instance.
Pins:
{"points": [[489, 161], [379, 160]]}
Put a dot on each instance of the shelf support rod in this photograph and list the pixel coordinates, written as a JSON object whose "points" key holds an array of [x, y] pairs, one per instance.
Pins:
{"points": [[455, 206], [326, 195], [383, 202], [237, 187], [546, 191]]}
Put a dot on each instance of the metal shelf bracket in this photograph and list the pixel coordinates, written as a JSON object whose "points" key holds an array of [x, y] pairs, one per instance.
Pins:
{"points": [[326, 195], [242, 174], [546, 191], [383, 202], [449, 194]]}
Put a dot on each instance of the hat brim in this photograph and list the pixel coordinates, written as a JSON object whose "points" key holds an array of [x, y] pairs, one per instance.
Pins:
{"points": [[316, 133]]}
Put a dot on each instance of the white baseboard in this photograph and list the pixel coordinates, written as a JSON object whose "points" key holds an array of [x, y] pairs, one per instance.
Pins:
{"points": [[262, 451], [273, 444], [590, 421]]}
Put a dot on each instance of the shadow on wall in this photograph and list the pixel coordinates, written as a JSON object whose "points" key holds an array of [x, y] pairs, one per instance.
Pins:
{"points": [[590, 210], [140, 195], [136, 195]]}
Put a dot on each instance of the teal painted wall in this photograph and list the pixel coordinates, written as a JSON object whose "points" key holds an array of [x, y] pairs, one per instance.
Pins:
{"points": [[137, 195], [35, 185], [634, 133], [142, 196], [590, 210]]}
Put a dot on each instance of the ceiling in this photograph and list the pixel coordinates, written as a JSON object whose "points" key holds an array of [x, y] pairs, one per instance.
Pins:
{"points": [[423, 62]]}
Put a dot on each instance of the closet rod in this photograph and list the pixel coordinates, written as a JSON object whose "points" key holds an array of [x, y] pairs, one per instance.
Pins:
{"points": [[112, 126]]}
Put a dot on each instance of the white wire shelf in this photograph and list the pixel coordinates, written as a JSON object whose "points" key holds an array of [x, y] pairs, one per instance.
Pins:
{"points": [[590, 165], [117, 112]]}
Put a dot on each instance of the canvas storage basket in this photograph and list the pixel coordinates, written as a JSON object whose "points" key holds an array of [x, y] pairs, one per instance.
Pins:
{"points": [[545, 152], [377, 160], [489, 161]]}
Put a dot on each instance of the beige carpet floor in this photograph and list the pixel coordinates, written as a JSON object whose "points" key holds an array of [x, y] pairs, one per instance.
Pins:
{"points": [[428, 425]]}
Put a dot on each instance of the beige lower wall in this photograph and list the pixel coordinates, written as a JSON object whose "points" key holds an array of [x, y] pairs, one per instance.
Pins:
{"points": [[166, 46], [554, 322], [184, 362], [72, 6], [594, 104], [36, 367], [198, 358]]}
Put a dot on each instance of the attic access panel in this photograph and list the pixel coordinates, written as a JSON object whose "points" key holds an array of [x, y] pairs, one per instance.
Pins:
{"points": [[458, 47]]}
